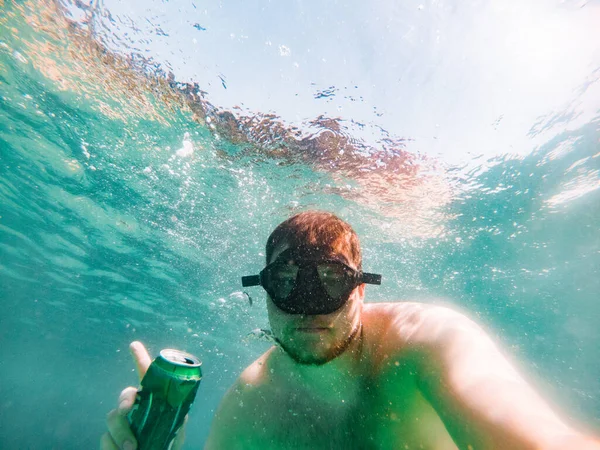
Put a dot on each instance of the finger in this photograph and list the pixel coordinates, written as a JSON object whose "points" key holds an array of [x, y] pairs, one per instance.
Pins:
{"points": [[119, 430], [126, 400], [141, 356], [106, 443]]}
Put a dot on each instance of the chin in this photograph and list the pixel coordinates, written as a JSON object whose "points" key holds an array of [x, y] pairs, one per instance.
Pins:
{"points": [[313, 355], [309, 359]]}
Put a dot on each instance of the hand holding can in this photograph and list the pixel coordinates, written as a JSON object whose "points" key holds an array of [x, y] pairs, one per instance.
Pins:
{"points": [[167, 392]]}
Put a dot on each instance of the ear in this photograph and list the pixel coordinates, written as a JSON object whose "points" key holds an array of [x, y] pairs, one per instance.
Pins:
{"points": [[361, 291]]}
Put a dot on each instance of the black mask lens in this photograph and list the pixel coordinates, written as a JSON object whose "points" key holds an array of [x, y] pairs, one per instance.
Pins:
{"points": [[337, 279], [279, 279]]}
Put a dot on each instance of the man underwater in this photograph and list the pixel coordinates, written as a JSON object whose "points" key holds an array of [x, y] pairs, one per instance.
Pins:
{"points": [[349, 375]]}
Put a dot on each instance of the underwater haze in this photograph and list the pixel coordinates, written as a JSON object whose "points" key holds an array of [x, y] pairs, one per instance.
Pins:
{"points": [[148, 149]]}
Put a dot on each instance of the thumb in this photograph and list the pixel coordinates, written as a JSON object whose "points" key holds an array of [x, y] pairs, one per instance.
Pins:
{"points": [[141, 357]]}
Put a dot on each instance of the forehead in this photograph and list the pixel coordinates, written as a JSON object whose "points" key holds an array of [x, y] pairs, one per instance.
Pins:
{"points": [[310, 252]]}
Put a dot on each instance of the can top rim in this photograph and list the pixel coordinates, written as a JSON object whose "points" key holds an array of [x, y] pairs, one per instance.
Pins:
{"points": [[180, 358]]}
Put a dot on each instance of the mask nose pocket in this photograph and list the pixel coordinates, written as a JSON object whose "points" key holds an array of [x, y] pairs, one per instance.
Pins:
{"points": [[308, 280]]}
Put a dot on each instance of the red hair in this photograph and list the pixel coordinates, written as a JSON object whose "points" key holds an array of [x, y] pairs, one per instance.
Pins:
{"points": [[317, 229]]}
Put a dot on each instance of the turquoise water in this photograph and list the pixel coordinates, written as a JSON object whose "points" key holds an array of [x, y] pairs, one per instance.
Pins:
{"points": [[126, 214]]}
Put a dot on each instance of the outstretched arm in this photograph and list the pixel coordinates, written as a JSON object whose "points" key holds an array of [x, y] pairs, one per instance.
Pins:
{"points": [[483, 401]]}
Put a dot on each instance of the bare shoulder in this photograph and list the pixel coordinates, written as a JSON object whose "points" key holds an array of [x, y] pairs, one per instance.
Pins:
{"points": [[412, 323], [251, 385], [242, 406], [256, 373]]}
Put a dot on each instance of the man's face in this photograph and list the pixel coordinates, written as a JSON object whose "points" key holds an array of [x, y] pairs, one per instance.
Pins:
{"points": [[316, 339]]}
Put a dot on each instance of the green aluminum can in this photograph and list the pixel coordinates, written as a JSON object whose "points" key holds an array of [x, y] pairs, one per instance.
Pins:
{"points": [[166, 395]]}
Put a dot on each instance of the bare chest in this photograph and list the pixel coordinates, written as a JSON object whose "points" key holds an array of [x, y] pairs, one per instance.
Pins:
{"points": [[355, 414]]}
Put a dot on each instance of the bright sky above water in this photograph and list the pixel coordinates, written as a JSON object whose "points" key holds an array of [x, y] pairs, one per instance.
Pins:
{"points": [[461, 79]]}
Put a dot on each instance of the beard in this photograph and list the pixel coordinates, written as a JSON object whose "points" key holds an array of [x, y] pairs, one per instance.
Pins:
{"points": [[302, 354]]}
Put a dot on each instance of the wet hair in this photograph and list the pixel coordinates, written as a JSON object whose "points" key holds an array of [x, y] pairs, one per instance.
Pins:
{"points": [[319, 231]]}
